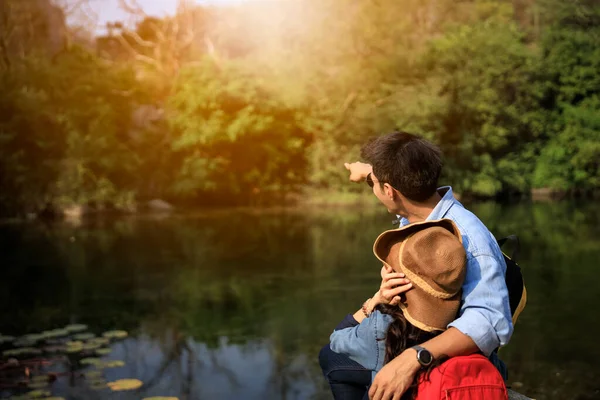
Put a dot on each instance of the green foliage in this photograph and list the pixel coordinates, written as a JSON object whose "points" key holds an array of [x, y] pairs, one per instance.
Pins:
{"points": [[484, 121], [570, 158], [233, 135], [251, 106], [62, 131], [498, 104]]}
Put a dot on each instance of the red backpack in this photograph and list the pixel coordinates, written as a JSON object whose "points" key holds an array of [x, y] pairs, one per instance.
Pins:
{"points": [[471, 377]]}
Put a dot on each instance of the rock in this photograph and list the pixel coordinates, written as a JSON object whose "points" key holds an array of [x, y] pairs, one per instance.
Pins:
{"points": [[160, 205], [76, 212], [546, 194]]}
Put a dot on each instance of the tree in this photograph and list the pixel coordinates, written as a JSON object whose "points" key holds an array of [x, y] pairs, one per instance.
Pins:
{"points": [[233, 137]]}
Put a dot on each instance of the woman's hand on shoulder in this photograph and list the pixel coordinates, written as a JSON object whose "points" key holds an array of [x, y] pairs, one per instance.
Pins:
{"points": [[393, 284]]}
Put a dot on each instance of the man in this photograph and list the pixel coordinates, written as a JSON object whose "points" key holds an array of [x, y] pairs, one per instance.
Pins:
{"points": [[403, 171]]}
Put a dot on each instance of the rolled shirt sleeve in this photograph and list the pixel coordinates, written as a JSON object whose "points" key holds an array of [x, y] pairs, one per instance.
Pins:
{"points": [[485, 311], [358, 342]]}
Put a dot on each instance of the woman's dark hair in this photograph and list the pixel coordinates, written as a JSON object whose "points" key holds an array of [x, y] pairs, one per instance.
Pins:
{"points": [[402, 335], [409, 163]]}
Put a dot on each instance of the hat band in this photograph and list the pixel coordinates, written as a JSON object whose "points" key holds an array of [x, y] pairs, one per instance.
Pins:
{"points": [[420, 282]]}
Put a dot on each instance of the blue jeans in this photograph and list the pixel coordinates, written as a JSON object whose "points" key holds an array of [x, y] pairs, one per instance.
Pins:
{"points": [[350, 381]]}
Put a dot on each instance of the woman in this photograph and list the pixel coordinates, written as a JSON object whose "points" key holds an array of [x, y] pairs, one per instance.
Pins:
{"points": [[431, 255]]}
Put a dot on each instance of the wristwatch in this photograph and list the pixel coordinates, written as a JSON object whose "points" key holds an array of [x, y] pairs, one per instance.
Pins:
{"points": [[424, 357]]}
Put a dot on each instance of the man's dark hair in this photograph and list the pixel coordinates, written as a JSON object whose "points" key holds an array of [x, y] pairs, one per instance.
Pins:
{"points": [[409, 163]]}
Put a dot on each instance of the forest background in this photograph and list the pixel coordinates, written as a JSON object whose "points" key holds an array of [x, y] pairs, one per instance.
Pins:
{"points": [[262, 102]]}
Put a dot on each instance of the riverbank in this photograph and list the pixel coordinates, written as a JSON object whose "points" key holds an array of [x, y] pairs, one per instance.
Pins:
{"points": [[307, 198]]}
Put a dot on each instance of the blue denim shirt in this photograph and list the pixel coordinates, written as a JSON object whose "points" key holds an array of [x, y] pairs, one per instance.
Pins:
{"points": [[364, 343], [484, 314]]}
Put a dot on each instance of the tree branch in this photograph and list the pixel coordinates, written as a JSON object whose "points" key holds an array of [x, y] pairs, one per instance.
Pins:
{"points": [[133, 8], [136, 55], [134, 35]]}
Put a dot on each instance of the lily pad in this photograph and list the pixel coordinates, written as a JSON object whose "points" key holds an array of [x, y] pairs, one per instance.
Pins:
{"points": [[39, 378], [112, 364], [33, 337], [90, 361], [84, 336], [37, 385], [21, 351], [24, 343], [115, 334], [99, 340], [125, 384], [76, 328], [28, 340], [54, 349], [91, 346], [6, 339], [74, 346], [55, 333], [74, 349], [103, 352], [95, 374], [39, 393]]}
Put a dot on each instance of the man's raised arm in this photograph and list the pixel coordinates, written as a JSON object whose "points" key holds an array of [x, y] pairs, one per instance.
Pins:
{"points": [[358, 170]]}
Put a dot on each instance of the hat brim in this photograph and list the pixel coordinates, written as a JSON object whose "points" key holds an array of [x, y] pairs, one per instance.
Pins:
{"points": [[429, 313], [384, 240]]}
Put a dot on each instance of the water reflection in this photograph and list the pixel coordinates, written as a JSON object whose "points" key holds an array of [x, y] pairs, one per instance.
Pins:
{"points": [[184, 367], [237, 305]]}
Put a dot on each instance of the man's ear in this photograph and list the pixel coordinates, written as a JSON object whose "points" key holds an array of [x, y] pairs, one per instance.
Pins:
{"points": [[389, 191]]}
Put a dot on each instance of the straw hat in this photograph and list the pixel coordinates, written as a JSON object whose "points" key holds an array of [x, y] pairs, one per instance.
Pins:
{"points": [[432, 256]]}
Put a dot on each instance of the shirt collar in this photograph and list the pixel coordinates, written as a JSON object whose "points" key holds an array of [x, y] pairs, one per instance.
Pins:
{"points": [[442, 207]]}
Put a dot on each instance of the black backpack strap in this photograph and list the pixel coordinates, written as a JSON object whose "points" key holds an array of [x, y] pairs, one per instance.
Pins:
{"points": [[517, 295], [516, 246]]}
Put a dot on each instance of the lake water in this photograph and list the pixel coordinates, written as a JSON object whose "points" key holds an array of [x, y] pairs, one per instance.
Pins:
{"points": [[237, 304]]}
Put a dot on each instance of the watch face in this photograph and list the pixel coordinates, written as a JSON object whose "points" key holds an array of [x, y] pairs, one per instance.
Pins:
{"points": [[425, 357]]}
